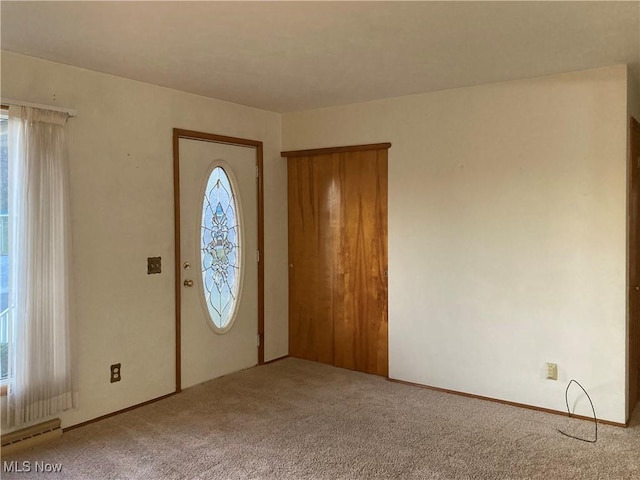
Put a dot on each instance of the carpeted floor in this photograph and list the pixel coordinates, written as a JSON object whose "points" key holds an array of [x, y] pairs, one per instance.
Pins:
{"points": [[294, 419]]}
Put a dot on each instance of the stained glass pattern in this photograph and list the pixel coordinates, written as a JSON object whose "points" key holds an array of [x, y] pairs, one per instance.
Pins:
{"points": [[220, 248]]}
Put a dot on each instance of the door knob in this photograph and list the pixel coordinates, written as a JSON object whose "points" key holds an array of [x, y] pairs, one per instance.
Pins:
{"points": [[188, 283], [637, 289]]}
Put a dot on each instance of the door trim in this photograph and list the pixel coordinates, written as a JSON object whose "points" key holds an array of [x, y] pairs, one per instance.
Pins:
{"points": [[211, 137], [329, 150], [632, 348]]}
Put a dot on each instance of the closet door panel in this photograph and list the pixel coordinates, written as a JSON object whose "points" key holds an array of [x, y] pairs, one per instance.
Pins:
{"points": [[360, 329], [314, 225]]}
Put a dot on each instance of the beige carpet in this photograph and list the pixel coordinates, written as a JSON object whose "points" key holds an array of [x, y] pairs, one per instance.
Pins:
{"points": [[300, 420]]}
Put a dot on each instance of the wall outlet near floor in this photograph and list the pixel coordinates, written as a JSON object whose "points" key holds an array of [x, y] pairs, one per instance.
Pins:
{"points": [[552, 371], [115, 373]]}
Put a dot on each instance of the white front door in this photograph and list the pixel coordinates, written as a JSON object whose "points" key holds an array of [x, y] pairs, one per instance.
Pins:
{"points": [[218, 244]]}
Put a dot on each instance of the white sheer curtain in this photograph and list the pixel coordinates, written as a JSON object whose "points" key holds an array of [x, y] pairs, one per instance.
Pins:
{"points": [[40, 365]]}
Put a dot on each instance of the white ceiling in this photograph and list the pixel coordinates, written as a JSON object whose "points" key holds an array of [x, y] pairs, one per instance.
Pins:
{"points": [[286, 56]]}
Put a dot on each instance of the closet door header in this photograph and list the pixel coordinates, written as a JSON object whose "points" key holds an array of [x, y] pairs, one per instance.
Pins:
{"points": [[327, 151]]}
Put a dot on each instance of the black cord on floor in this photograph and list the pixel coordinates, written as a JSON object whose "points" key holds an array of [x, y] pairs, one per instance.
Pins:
{"points": [[595, 420]]}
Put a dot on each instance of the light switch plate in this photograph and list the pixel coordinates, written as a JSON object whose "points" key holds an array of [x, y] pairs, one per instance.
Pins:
{"points": [[154, 265]]}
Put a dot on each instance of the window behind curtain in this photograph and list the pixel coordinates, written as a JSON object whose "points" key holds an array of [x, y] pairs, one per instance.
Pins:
{"points": [[4, 250]]}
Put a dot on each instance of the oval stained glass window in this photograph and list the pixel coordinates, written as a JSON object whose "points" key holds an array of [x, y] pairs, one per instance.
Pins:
{"points": [[220, 246]]}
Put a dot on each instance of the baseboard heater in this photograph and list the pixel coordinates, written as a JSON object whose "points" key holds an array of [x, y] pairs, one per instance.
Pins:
{"points": [[31, 436]]}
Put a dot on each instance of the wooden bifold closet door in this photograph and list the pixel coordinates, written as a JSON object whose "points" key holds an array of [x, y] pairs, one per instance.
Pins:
{"points": [[338, 256]]}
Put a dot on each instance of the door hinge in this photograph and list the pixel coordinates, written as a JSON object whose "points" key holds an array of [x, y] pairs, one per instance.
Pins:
{"points": [[258, 340], [258, 256]]}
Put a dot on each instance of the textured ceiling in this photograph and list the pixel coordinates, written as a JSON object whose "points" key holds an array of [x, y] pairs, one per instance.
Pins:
{"points": [[286, 56]]}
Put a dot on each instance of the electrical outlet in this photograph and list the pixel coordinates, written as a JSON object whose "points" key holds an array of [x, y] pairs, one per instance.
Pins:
{"points": [[552, 371], [115, 373]]}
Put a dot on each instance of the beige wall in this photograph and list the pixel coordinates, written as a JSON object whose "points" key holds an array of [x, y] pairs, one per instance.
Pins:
{"points": [[506, 233], [122, 205]]}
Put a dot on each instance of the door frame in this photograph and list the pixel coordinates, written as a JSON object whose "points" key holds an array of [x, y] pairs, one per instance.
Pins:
{"points": [[633, 348], [214, 138]]}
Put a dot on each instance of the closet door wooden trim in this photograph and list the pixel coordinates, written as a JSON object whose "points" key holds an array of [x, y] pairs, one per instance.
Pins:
{"points": [[331, 150]]}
